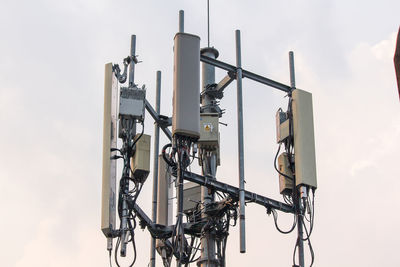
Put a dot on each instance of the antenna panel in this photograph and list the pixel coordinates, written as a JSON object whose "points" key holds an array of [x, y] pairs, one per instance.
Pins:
{"points": [[186, 98], [164, 216], [304, 144], [108, 214]]}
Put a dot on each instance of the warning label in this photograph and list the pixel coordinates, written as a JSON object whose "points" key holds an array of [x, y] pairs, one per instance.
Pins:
{"points": [[208, 127]]}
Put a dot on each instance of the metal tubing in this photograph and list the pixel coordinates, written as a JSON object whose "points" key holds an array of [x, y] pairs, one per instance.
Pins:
{"points": [[155, 116], [240, 144], [181, 21], [299, 216], [209, 162], [124, 228], [234, 192], [180, 211], [155, 169], [109, 243], [224, 83], [125, 211], [208, 76], [132, 65], [208, 23], [300, 239], [246, 74], [291, 67]]}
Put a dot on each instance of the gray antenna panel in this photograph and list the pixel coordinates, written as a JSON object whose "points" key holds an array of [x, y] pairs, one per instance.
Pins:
{"points": [[304, 144], [108, 214], [186, 99]]}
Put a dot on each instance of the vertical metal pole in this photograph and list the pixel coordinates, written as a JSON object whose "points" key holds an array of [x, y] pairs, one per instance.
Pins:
{"points": [[291, 67], [240, 144], [125, 210], [209, 165], [132, 65], [179, 173], [299, 216], [208, 23], [155, 169], [125, 213], [180, 212], [181, 21], [299, 239]]}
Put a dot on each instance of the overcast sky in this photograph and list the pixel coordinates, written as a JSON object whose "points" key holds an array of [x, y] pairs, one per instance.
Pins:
{"points": [[52, 56]]}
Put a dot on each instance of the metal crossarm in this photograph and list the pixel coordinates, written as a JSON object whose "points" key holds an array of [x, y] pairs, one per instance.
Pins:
{"points": [[164, 231], [246, 74], [234, 192], [157, 119]]}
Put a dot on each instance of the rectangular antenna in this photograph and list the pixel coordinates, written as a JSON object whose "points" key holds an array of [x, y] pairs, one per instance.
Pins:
{"points": [[164, 183], [108, 214], [304, 145], [186, 103]]}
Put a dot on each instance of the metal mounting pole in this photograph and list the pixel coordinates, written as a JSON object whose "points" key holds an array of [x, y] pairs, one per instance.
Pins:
{"points": [[155, 168], [208, 23], [299, 239], [300, 243], [209, 164], [181, 21], [240, 144], [291, 67], [132, 65], [125, 187], [179, 178], [180, 233]]}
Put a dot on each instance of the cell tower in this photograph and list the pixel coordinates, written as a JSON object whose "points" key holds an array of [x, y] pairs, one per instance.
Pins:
{"points": [[206, 207]]}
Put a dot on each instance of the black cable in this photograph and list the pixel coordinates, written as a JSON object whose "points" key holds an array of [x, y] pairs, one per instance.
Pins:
{"points": [[274, 213], [116, 251], [308, 234], [294, 252], [124, 185], [164, 155], [140, 136], [288, 200], [309, 244], [276, 156], [311, 222], [132, 240], [131, 148], [290, 139], [197, 248]]}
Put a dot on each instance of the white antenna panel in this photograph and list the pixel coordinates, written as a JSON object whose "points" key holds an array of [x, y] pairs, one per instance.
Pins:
{"points": [[304, 144], [108, 202]]}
